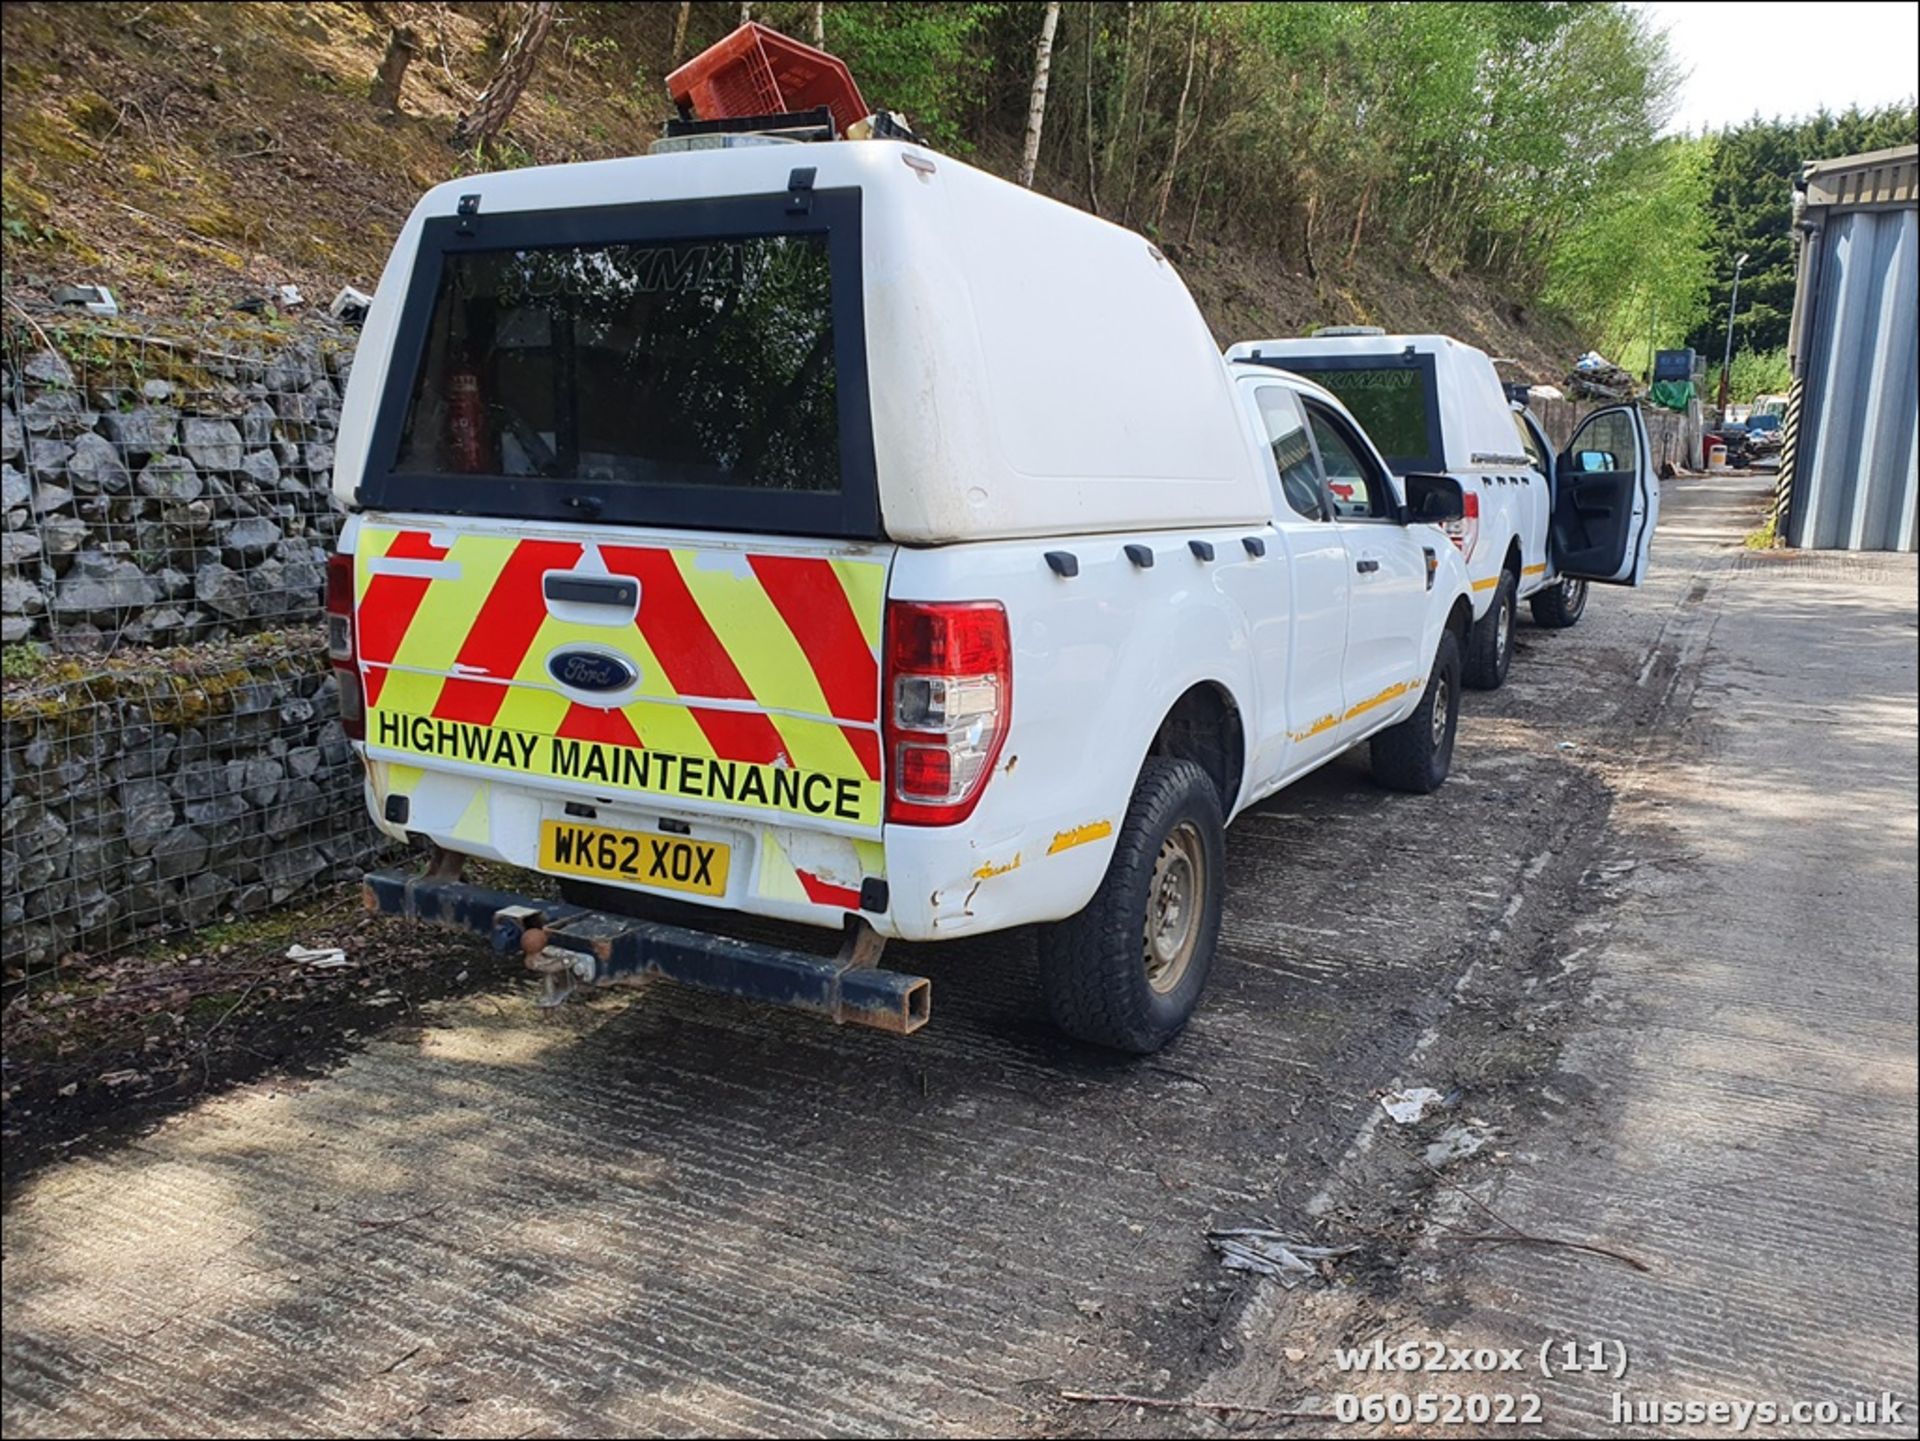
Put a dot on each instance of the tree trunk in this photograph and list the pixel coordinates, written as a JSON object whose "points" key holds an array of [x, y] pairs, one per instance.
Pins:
{"points": [[1117, 99], [387, 80], [1313, 207], [1140, 118], [1199, 198], [1179, 120], [1093, 189], [1199, 114], [746, 11], [820, 24], [1360, 222], [680, 34], [1037, 102], [495, 105]]}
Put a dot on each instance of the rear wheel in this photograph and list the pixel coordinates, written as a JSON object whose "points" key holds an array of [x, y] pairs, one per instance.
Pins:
{"points": [[1128, 971], [1416, 755], [1490, 642], [1560, 604]]}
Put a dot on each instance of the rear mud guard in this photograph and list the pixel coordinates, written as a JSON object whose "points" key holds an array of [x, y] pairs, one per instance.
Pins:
{"points": [[571, 944]]}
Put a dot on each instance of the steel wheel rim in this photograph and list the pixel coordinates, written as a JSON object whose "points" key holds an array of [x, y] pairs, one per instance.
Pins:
{"points": [[1175, 893], [1440, 704], [1503, 628], [1573, 595]]}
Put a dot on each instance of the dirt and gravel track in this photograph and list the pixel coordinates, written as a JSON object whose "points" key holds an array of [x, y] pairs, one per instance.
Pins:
{"points": [[655, 1213]]}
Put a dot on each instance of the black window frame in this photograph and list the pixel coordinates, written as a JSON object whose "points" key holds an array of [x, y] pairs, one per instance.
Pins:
{"points": [[1285, 508], [853, 513], [1309, 366]]}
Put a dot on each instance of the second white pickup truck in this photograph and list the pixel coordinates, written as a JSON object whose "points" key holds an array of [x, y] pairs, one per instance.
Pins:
{"points": [[1539, 526], [838, 534]]}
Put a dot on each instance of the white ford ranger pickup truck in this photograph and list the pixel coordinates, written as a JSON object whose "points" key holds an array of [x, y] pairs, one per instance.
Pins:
{"points": [[1538, 526], [837, 534]]}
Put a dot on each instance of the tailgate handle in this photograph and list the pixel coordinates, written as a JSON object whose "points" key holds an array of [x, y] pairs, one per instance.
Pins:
{"points": [[593, 590]]}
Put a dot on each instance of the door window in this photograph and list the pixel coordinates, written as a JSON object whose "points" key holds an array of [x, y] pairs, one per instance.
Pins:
{"points": [[1286, 431], [1604, 443], [1530, 442], [1356, 487]]}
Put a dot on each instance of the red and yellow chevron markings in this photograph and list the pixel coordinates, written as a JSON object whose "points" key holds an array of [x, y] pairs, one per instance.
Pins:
{"points": [[757, 671]]}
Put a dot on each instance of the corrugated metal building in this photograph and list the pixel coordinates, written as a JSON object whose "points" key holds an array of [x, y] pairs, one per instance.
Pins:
{"points": [[1848, 478]]}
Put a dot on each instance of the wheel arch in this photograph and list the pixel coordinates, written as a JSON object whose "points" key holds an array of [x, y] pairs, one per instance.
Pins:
{"points": [[1204, 726], [1460, 620]]}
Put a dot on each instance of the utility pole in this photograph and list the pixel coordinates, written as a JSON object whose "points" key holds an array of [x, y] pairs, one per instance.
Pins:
{"points": [[1726, 360]]}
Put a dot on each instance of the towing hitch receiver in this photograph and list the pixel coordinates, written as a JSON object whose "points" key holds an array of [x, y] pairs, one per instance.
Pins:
{"points": [[571, 945]]}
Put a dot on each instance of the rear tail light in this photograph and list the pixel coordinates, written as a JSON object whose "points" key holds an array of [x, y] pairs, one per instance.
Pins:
{"points": [[1465, 532], [949, 693], [340, 646]]}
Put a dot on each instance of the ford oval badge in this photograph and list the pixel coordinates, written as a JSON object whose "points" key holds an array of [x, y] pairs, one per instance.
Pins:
{"points": [[594, 670]]}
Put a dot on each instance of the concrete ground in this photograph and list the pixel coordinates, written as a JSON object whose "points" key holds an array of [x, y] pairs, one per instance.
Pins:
{"points": [[1654, 941]]}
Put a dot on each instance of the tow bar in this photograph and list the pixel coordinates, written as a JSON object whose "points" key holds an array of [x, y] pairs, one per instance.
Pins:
{"points": [[569, 946]]}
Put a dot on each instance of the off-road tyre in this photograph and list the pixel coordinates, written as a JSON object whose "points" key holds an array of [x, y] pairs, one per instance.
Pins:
{"points": [[1416, 755], [1490, 642], [1560, 604], [1098, 969]]}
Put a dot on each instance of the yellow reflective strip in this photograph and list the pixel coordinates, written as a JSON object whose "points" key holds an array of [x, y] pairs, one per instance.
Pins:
{"points": [[818, 746], [753, 635], [778, 880], [1392, 692], [528, 708], [873, 857], [1486, 584], [1540, 569], [1325, 723], [475, 823], [865, 582], [1079, 836], [603, 768], [406, 692], [373, 543], [451, 604], [393, 778]]}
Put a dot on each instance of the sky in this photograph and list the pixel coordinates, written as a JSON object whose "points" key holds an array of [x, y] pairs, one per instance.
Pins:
{"points": [[1788, 59]]}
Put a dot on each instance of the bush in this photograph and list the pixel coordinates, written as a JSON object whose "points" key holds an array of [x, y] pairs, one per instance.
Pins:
{"points": [[1758, 372]]}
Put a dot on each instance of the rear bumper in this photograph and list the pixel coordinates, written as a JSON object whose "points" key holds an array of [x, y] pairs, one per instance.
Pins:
{"points": [[598, 948]]}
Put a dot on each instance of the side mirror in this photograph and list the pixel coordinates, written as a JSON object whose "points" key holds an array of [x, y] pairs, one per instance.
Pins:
{"points": [[1434, 500]]}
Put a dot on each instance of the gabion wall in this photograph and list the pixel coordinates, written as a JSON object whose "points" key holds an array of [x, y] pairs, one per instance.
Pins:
{"points": [[172, 747]]}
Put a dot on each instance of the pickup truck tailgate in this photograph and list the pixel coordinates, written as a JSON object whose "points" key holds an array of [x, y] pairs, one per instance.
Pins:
{"points": [[732, 677]]}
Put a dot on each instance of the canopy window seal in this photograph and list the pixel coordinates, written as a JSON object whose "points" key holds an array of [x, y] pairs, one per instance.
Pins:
{"points": [[1328, 370], [852, 511]]}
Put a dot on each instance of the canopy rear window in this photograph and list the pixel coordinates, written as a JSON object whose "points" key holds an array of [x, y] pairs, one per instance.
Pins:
{"points": [[676, 364], [1393, 397]]}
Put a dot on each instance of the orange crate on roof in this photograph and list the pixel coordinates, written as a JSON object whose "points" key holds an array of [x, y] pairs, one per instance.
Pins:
{"points": [[757, 71]]}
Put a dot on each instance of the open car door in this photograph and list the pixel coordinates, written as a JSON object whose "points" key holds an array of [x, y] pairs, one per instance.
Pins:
{"points": [[1606, 499]]}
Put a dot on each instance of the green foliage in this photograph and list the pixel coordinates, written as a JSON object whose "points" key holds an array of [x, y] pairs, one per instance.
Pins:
{"points": [[1750, 206], [1633, 270], [22, 661], [926, 61], [1756, 373]]}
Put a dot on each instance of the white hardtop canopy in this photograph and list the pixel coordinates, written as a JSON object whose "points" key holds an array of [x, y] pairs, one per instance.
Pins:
{"points": [[1033, 370], [1476, 420]]}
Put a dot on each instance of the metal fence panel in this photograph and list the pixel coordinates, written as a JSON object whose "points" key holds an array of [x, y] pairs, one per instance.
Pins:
{"points": [[1854, 476]]}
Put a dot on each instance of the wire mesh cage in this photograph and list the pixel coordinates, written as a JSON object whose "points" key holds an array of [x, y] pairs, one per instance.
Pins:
{"points": [[172, 747]]}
